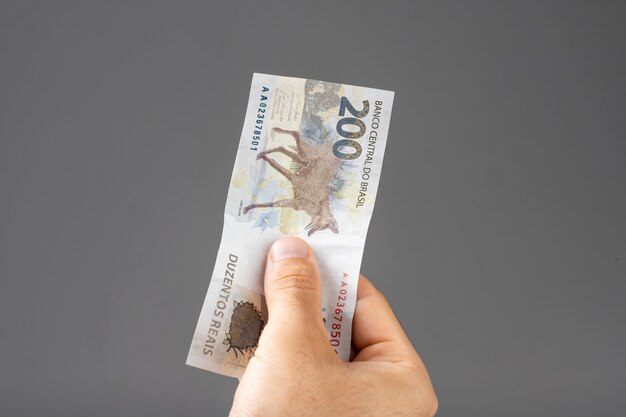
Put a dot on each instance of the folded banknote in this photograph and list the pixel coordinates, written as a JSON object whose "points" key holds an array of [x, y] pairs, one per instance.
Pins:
{"points": [[308, 164]]}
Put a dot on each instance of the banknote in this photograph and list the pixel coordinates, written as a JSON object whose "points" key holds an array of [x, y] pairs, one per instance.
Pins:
{"points": [[308, 164]]}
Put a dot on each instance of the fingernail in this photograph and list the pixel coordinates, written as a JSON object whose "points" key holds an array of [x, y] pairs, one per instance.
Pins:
{"points": [[289, 247]]}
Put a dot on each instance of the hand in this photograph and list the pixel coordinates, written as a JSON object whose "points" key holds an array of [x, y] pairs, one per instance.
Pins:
{"points": [[295, 372]]}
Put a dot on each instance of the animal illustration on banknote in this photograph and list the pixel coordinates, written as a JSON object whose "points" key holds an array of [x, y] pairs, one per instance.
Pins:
{"points": [[246, 324], [315, 175]]}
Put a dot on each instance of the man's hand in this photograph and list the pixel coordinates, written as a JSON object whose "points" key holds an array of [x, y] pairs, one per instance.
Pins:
{"points": [[295, 372]]}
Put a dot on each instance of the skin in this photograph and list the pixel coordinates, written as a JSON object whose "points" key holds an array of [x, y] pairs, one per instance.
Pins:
{"points": [[295, 372]]}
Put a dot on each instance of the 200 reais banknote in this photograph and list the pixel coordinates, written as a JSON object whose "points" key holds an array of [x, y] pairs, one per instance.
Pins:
{"points": [[308, 165]]}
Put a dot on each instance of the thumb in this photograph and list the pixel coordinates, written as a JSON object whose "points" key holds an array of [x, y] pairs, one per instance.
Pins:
{"points": [[293, 292]]}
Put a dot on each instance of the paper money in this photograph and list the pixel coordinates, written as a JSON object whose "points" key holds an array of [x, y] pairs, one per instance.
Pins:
{"points": [[308, 165]]}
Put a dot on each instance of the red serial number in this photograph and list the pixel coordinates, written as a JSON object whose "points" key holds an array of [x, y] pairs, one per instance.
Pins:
{"points": [[337, 318]]}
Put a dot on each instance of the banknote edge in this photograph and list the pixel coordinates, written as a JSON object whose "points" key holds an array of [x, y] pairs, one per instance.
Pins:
{"points": [[315, 79]]}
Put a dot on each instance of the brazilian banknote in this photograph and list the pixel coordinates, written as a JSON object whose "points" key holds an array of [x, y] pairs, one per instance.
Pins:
{"points": [[308, 165]]}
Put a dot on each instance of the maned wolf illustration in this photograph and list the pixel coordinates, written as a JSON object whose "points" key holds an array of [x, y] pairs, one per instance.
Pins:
{"points": [[312, 182]]}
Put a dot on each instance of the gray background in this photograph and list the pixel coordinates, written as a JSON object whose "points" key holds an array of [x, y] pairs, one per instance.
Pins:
{"points": [[499, 234]]}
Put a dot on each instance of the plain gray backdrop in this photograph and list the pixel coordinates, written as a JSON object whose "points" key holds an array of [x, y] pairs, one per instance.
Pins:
{"points": [[499, 234]]}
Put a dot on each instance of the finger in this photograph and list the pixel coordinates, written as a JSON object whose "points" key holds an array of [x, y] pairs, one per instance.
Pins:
{"points": [[376, 332], [293, 292]]}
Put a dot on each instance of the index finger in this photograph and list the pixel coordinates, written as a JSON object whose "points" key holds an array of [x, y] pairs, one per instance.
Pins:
{"points": [[376, 332]]}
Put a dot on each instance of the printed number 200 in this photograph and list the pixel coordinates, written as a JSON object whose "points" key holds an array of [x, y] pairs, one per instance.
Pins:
{"points": [[350, 128]]}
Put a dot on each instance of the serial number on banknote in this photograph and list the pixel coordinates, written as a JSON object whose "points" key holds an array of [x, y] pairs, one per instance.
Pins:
{"points": [[260, 118], [337, 318]]}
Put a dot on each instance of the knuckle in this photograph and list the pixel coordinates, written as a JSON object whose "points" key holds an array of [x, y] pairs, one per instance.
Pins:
{"points": [[423, 391], [428, 400], [434, 405], [297, 277]]}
